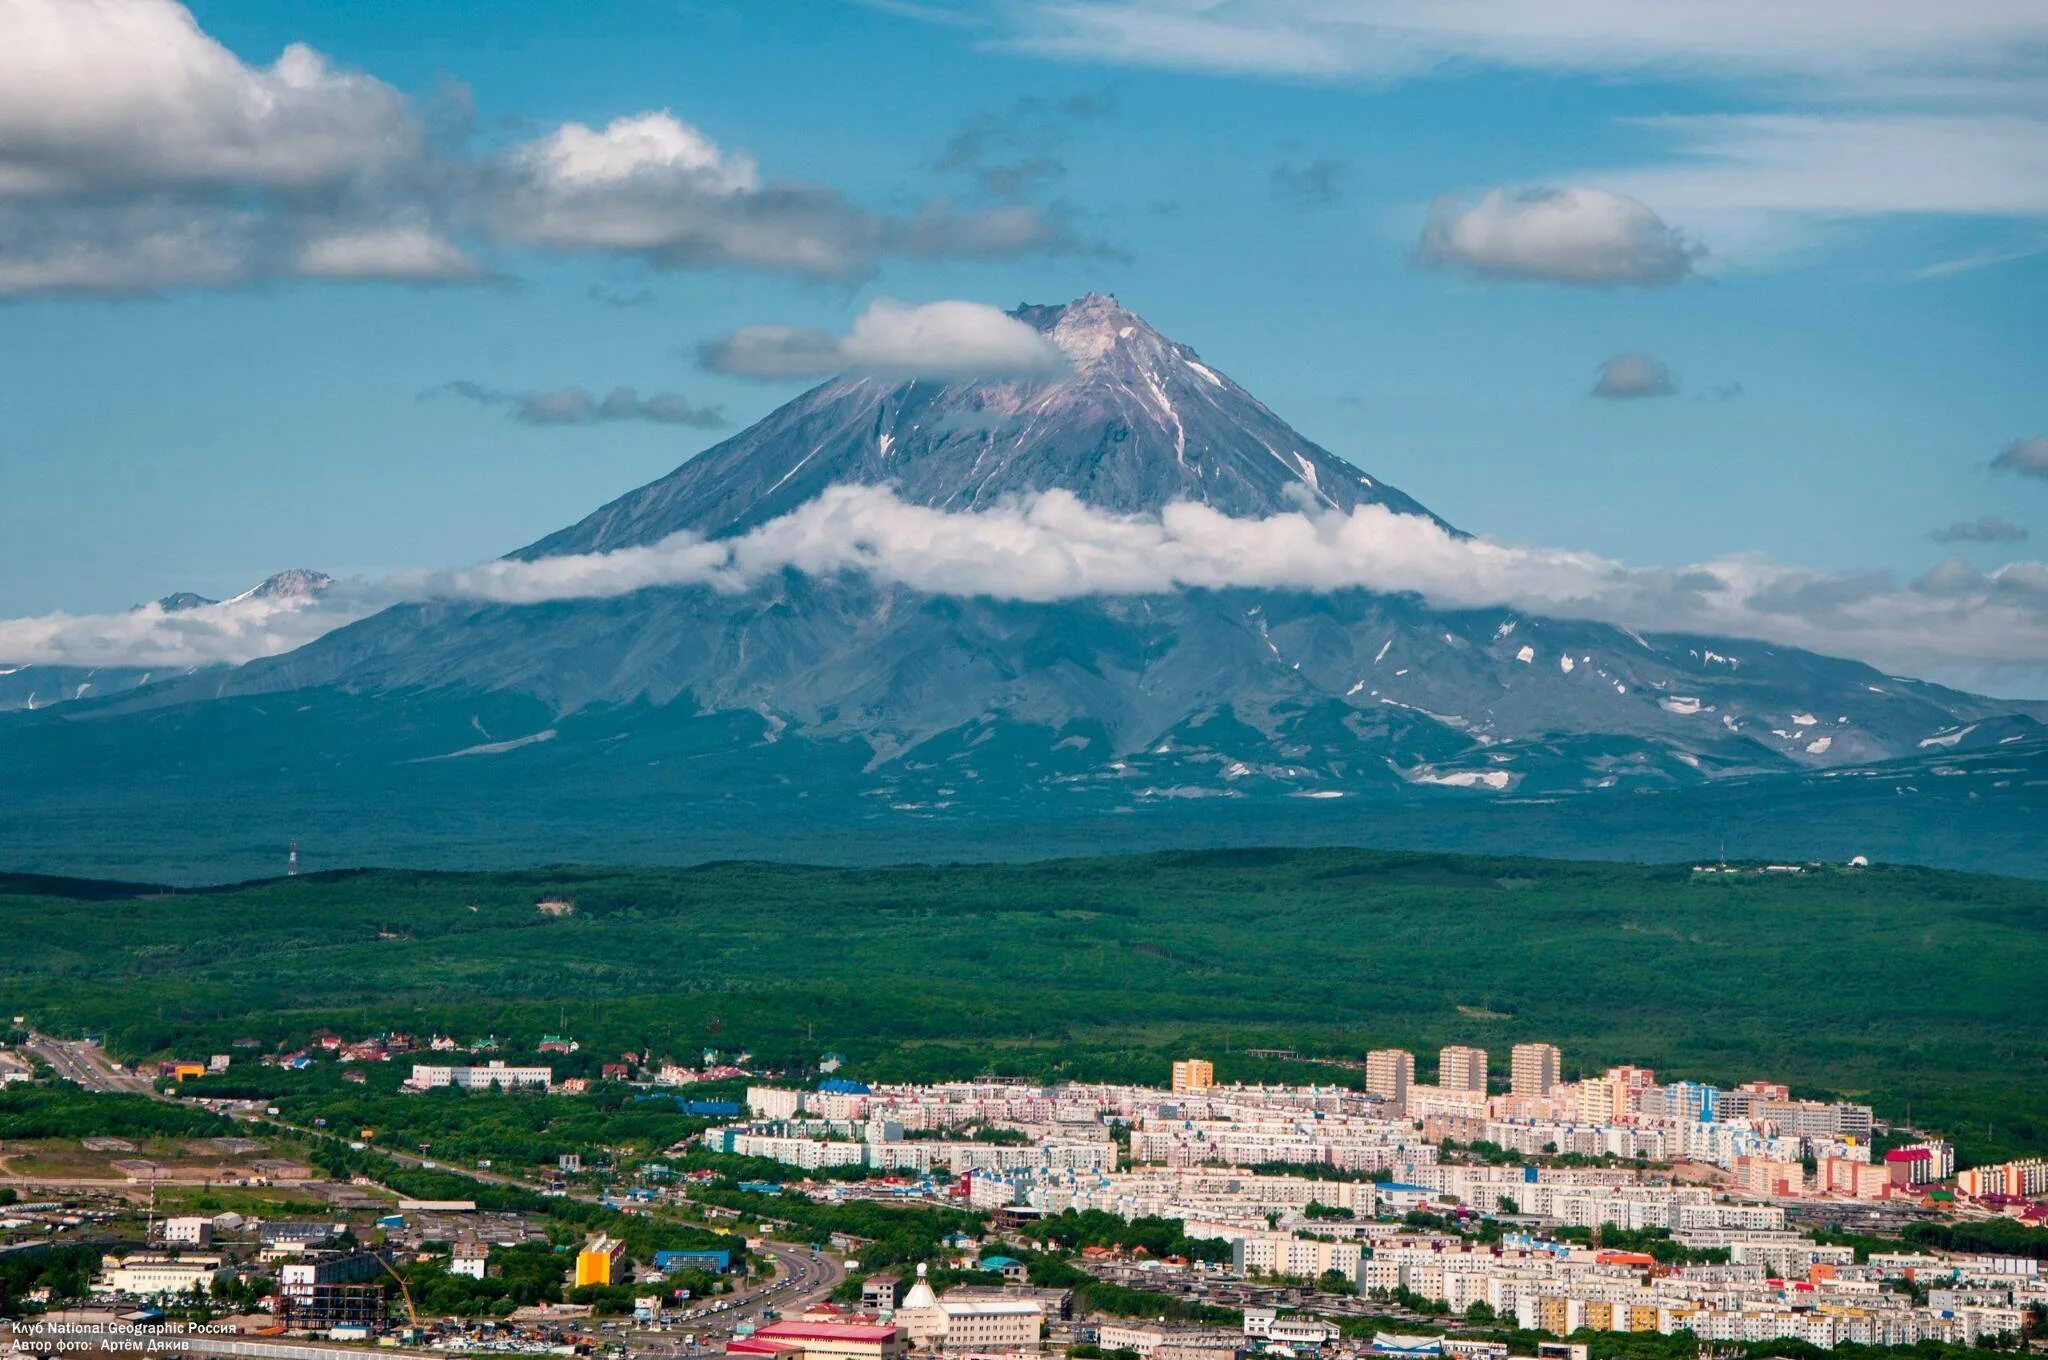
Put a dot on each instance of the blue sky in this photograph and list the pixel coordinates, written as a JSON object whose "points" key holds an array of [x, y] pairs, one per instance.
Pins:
{"points": [[1857, 331]]}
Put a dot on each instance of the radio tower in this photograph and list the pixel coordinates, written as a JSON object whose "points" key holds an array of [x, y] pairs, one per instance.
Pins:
{"points": [[291, 861]]}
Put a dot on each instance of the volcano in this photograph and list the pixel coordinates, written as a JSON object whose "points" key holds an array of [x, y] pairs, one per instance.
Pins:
{"points": [[832, 697]]}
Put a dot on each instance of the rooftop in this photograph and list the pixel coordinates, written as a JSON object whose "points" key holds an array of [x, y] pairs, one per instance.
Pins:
{"points": [[825, 1331]]}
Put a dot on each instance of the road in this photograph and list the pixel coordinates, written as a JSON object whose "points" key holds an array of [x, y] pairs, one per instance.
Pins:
{"points": [[83, 1064], [801, 1278]]}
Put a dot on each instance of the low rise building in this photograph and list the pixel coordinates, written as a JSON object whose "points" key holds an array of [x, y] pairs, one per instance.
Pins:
{"points": [[151, 1276], [495, 1073]]}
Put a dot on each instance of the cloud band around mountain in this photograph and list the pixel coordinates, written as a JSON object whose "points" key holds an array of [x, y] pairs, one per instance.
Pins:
{"points": [[1053, 547]]}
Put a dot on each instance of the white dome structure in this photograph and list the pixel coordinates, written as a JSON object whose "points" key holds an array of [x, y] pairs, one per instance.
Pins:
{"points": [[920, 1295]]}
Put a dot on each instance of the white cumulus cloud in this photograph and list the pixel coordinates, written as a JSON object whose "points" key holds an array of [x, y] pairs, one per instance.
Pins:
{"points": [[948, 341], [119, 93], [138, 153], [1588, 237]]}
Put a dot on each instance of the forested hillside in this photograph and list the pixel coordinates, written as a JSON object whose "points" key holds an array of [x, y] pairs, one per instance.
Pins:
{"points": [[1905, 986]]}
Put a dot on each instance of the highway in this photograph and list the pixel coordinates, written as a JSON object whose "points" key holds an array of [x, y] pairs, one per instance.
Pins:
{"points": [[83, 1064]]}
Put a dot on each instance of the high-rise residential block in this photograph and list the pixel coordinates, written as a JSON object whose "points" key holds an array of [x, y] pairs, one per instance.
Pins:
{"points": [[1533, 1069], [1193, 1074], [1461, 1069], [1389, 1072]]}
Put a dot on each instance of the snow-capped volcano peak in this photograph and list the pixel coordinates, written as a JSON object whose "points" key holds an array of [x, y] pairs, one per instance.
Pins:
{"points": [[293, 583], [1137, 423], [1089, 328]]}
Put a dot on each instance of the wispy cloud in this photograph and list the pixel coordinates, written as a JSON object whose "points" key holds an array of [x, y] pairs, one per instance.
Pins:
{"points": [[1053, 547], [2027, 457], [1634, 375], [578, 406], [617, 298], [1315, 183], [1990, 257], [1847, 109], [1748, 182], [1008, 154], [1837, 42], [1983, 529]]}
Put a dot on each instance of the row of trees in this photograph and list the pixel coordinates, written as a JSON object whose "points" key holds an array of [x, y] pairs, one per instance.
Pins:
{"points": [[1075, 1229]]}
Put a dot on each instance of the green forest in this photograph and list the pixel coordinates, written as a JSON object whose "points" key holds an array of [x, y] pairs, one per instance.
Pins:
{"points": [[1915, 989]]}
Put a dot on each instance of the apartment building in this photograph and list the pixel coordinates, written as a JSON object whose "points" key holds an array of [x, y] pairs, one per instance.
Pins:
{"points": [[2027, 1178], [1533, 1069], [1389, 1072], [1461, 1069], [774, 1102], [1193, 1074], [1281, 1253]]}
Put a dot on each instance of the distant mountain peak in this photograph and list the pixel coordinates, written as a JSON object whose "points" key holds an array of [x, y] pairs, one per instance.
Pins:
{"points": [[294, 583], [180, 600]]}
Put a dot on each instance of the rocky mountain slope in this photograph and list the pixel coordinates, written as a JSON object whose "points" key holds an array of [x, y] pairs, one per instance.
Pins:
{"points": [[880, 697]]}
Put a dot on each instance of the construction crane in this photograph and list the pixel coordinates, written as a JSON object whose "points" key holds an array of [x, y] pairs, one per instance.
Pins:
{"points": [[411, 1313]]}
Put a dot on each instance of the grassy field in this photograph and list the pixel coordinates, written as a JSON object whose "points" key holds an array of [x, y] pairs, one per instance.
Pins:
{"points": [[1912, 988]]}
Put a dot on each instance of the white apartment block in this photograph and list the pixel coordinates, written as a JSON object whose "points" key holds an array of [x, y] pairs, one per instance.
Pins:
{"points": [[774, 1102]]}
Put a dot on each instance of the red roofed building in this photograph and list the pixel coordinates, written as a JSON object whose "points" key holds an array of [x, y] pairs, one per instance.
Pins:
{"points": [[831, 1340], [1911, 1166]]}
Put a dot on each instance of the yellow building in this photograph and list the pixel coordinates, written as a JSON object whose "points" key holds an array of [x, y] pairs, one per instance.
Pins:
{"points": [[1193, 1074], [188, 1071], [602, 1261]]}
